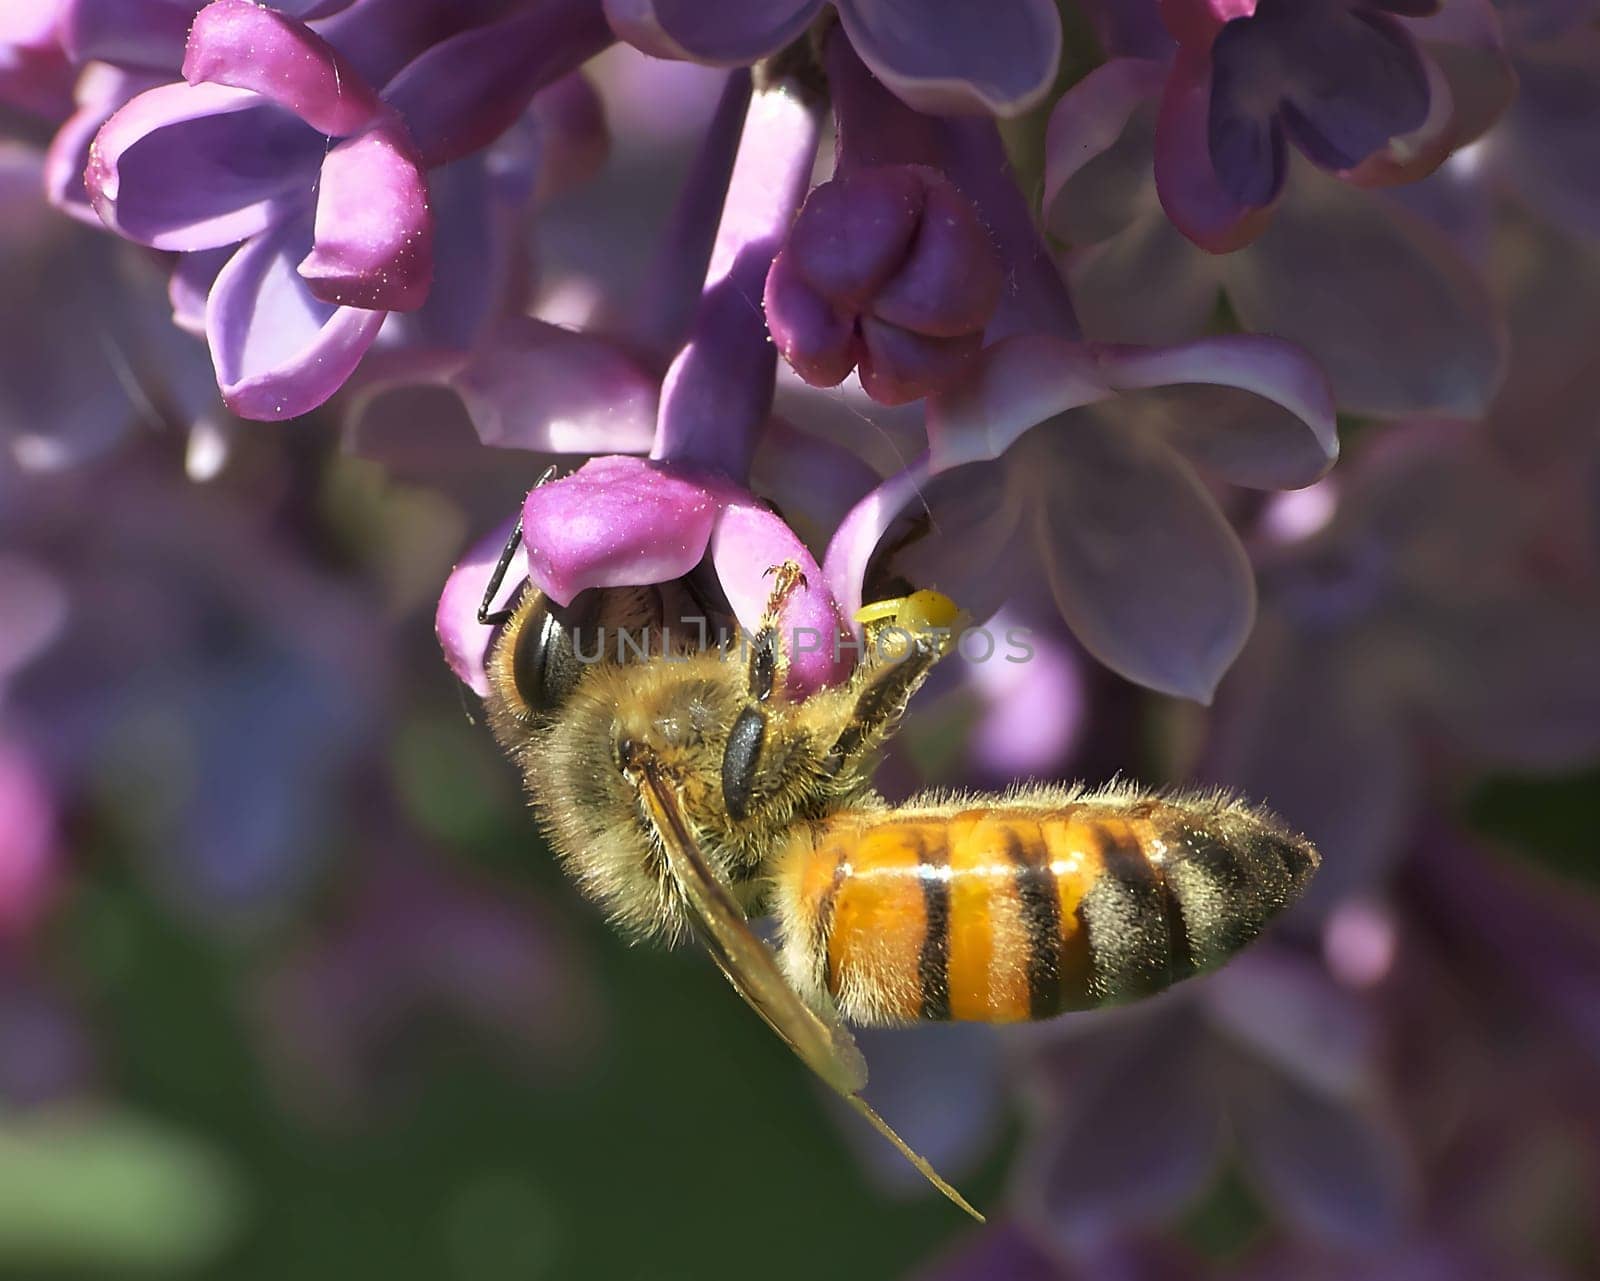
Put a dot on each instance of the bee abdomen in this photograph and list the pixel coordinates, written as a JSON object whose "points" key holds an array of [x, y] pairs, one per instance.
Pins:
{"points": [[999, 914]]}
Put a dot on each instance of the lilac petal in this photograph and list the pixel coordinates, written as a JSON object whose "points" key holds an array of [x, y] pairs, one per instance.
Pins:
{"points": [[617, 522], [1194, 197], [1381, 300], [1551, 154], [466, 91], [248, 46], [198, 166], [719, 388], [1167, 603], [1338, 126], [976, 548], [529, 385], [374, 228], [1150, 284], [190, 287], [1015, 384], [1195, 23], [948, 57], [723, 33], [1285, 1008], [1409, 157], [1094, 182], [1467, 40], [813, 481], [463, 638], [1253, 410], [747, 542], [101, 90], [1334, 1165], [278, 350], [854, 542], [1139, 1133], [1011, 738], [1307, 725], [1244, 127], [1130, 30]]}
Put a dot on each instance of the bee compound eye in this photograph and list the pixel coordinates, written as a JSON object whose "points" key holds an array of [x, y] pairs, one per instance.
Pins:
{"points": [[547, 663]]}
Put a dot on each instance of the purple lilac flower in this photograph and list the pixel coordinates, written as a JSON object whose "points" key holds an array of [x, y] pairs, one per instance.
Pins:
{"points": [[953, 57], [1389, 623], [335, 237], [1381, 298], [1268, 1058], [620, 520]]}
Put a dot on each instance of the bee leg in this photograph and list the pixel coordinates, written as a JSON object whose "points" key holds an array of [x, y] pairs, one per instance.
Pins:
{"points": [[741, 759], [884, 685], [767, 657]]}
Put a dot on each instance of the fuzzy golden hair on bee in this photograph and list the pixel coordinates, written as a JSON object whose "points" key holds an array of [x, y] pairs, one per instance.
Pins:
{"points": [[688, 792]]}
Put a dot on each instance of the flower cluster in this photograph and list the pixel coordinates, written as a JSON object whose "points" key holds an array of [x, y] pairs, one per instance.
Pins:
{"points": [[1066, 310]]}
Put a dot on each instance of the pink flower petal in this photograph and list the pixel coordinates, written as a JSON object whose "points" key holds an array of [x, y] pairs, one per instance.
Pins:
{"points": [[529, 385], [1093, 181], [248, 46], [463, 638], [164, 170], [374, 227], [1251, 409], [279, 351], [1382, 301], [1166, 601], [1190, 191], [618, 522], [1013, 386], [747, 541]]}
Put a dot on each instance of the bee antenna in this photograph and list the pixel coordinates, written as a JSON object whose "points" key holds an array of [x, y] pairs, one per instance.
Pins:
{"points": [[507, 553]]}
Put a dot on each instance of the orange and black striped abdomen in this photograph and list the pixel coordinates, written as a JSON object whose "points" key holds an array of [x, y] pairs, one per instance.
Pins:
{"points": [[1004, 913]]}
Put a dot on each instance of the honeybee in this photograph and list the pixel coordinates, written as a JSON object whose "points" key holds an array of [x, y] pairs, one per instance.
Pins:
{"points": [[689, 793]]}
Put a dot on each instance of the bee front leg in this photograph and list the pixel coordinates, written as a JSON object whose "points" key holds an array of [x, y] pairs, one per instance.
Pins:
{"points": [[764, 683], [905, 638]]}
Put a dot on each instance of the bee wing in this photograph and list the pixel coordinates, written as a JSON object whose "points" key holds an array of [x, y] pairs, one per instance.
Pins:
{"points": [[823, 1044]]}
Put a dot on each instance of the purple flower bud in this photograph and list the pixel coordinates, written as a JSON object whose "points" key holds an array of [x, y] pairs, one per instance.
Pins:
{"points": [[887, 268]]}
